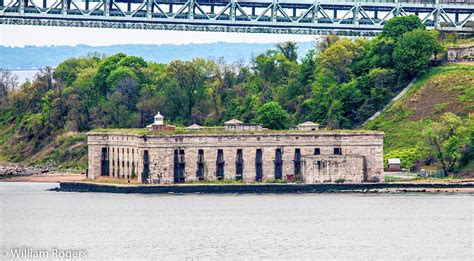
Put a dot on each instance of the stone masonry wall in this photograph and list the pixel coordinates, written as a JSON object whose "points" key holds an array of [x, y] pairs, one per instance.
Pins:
{"points": [[461, 53], [126, 152], [323, 169]]}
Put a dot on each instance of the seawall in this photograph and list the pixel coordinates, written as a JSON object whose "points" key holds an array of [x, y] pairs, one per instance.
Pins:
{"points": [[255, 188]]}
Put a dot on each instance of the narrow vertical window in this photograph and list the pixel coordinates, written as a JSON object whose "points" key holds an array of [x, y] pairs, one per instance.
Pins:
{"points": [[179, 166], [239, 165], [297, 163], [118, 163], [104, 162], [258, 165], [113, 162], [317, 151], [200, 165], [278, 164], [220, 164], [146, 167]]}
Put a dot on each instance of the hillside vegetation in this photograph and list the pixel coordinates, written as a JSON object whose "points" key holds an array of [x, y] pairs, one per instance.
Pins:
{"points": [[448, 88], [339, 83]]}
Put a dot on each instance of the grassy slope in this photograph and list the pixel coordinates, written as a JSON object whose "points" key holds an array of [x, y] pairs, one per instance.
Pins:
{"points": [[448, 88], [67, 151]]}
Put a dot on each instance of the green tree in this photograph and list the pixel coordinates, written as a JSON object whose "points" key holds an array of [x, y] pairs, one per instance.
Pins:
{"points": [[413, 51], [68, 70], [77, 118], [119, 75], [190, 77], [376, 53], [397, 26], [447, 138], [271, 115], [106, 66], [337, 59], [288, 49], [148, 104], [378, 87], [114, 113], [8, 82]]}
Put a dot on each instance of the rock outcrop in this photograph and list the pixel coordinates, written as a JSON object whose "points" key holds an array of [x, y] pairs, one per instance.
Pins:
{"points": [[8, 170]]}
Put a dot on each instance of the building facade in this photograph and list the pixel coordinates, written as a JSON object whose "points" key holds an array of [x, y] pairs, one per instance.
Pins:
{"points": [[311, 157], [462, 53]]}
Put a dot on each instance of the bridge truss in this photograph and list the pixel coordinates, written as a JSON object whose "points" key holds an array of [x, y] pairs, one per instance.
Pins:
{"points": [[344, 17]]}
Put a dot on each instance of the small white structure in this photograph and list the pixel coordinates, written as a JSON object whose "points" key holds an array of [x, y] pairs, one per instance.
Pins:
{"points": [[159, 119], [159, 124], [394, 164], [194, 127], [233, 122], [306, 126], [236, 125]]}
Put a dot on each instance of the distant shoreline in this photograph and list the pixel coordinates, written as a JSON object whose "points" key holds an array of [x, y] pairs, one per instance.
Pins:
{"points": [[267, 188]]}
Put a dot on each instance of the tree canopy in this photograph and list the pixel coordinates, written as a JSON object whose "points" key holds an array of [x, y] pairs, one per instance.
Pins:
{"points": [[339, 83]]}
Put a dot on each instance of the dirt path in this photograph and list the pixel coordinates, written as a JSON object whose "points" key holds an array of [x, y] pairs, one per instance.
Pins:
{"points": [[46, 178]]}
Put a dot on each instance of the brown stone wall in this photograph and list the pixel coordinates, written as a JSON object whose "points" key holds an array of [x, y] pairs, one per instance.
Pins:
{"points": [[323, 169], [460, 53], [127, 150]]}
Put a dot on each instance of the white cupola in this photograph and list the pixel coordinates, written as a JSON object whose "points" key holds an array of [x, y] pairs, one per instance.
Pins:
{"points": [[159, 119]]}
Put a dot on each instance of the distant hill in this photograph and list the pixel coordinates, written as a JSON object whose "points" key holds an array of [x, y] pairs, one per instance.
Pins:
{"points": [[30, 57]]}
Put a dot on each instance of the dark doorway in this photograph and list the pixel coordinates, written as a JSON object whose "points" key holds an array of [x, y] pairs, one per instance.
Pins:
{"points": [[259, 165], [104, 162], [239, 165], [337, 151], [200, 165], [278, 164], [220, 164], [297, 163], [317, 151], [146, 167], [179, 166]]}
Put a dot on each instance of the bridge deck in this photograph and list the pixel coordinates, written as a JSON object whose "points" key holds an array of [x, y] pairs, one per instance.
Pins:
{"points": [[363, 17]]}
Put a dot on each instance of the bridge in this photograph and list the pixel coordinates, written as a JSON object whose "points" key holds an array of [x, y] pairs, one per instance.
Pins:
{"points": [[316, 17]]}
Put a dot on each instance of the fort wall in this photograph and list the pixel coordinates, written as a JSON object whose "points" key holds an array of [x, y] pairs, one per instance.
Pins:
{"points": [[173, 158]]}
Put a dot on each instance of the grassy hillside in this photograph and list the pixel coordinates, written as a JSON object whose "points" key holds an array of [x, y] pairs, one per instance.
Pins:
{"points": [[448, 88], [67, 151]]}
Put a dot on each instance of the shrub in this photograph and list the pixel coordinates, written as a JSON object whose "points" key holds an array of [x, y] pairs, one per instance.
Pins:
{"points": [[407, 156]]}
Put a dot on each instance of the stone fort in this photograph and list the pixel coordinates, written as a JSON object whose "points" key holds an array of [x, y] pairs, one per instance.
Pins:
{"points": [[309, 156]]}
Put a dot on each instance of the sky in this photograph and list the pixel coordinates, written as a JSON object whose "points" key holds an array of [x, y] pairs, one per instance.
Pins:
{"points": [[19, 36]]}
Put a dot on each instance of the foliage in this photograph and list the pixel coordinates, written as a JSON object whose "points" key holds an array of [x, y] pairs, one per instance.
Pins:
{"points": [[403, 122], [396, 27], [413, 51], [407, 156], [447, 138], [271, 115], [339, 83]]}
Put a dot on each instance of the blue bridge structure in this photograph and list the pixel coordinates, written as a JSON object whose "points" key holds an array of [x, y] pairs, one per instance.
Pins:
{"points": [[314, 17]]}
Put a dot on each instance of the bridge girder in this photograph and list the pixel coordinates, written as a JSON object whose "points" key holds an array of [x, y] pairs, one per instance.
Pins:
{"points": [[342, 17]]}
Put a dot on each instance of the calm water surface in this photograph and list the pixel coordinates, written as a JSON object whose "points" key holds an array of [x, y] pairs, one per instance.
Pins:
{"points": [[255, 227]]}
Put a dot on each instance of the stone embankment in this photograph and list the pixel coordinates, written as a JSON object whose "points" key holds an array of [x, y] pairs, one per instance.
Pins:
{"points": [[9, 170], [268, 188]]}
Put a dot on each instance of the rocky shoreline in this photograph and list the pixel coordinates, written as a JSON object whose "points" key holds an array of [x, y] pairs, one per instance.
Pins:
{"points": [[10, 170]]}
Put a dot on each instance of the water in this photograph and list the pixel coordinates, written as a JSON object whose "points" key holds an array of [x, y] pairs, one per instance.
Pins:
{"points": [[202, 227], [24, 75]]}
